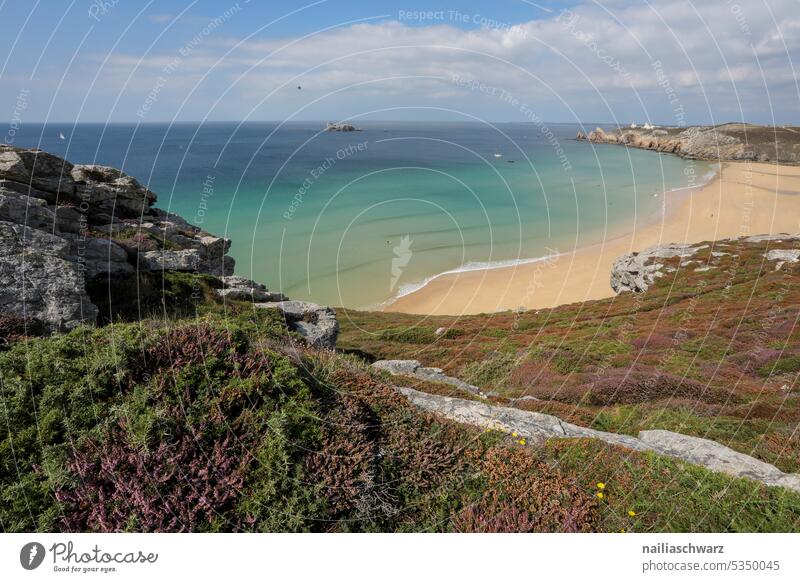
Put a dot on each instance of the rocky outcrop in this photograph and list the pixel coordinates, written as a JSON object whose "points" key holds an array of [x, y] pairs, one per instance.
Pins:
{"points": [[783, 256], [727, 142], [38, 281], [165, 241], [413, 369], [110, 191], [537, 426], [241, 289], [66, 225], [716, 457], [636, 272], [341, 127], [42, 171], [317, 324]]}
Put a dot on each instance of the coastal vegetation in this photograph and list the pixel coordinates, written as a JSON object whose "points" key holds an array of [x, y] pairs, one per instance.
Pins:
{"points": [[214, 423], [216, 418], [143, 387]]}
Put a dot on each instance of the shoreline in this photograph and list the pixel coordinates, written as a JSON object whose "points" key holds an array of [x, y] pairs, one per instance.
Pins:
{"points": [[655, 216], [741, 199]]}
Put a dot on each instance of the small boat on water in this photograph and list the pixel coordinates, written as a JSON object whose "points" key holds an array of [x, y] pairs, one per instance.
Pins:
{"points": [[61, 135], [498, 155]]}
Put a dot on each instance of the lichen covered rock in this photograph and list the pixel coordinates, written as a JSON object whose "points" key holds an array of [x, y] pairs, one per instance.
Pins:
{"points": [[316, 323]]}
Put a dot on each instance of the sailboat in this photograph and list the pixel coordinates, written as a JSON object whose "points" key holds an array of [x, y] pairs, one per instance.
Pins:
{"points": [[61, 135]]}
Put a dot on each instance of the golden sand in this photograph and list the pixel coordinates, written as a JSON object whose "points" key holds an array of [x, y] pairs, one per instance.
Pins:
{"points": [[742, 200]]}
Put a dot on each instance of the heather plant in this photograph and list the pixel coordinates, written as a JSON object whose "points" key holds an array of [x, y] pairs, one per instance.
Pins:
{"points": [[187, 482], [524, 494], [13, 328]]}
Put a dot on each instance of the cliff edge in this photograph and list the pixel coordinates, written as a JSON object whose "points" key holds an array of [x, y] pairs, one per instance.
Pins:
{"points": [[727, 142]]}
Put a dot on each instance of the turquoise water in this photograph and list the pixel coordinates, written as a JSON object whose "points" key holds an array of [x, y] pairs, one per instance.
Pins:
{"points": [[356, 218]]}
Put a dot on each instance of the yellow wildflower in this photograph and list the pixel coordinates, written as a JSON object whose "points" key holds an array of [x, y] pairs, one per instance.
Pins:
{"points": [[600, 495], [632, 513], [522, 441], [513, 434], [601, 485]]}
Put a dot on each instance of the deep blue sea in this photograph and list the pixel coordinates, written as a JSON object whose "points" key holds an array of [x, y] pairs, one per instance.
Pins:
{"points": [[356, 218]]}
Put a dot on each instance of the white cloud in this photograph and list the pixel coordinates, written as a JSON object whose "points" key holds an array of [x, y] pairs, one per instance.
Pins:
{"points": [[160, 18], [709, 52]]}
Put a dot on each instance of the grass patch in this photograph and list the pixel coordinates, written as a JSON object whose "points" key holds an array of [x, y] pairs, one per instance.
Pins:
{"points": [[411, 335], [787, 364], [491, 372]]}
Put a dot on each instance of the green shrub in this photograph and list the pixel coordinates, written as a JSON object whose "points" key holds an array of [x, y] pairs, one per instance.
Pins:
{"points": [[411, 335], [490, 372], [785, 365]]}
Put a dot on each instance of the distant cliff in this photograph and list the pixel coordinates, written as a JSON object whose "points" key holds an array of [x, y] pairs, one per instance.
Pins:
{"points": [[728, 142]]}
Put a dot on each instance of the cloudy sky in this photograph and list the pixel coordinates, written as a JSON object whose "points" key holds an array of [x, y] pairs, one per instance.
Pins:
{"points": [[667, 61]]}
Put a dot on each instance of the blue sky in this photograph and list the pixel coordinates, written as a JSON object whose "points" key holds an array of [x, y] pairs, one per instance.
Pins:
{"points": [[667, 61]]}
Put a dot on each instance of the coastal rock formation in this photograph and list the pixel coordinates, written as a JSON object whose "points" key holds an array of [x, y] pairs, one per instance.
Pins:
{"points": [[165, 241], [242, 289], [38, 282], [538, 426], [39, 170], [340, 127], [727, 142], [317, 324], [783, 256], [414, 369], [637, 271], [110, 191], [66, 225], [716, 457]]}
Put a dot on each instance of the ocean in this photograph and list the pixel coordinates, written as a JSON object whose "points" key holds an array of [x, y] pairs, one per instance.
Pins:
{"points": [[357, 218]]}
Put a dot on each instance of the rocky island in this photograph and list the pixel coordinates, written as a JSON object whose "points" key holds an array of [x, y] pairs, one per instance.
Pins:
{"points": [[341, 127], [727, 142]]}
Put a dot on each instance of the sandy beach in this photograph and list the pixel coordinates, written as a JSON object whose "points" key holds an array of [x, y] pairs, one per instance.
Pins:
{"points": [[742, 199]]}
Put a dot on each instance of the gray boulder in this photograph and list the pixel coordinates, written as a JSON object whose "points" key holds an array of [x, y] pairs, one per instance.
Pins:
{"points": [[110, 190], [414, 369], [27, 210], [783, 256], [637, 271], [316, 323], [534, 425], [98, 256], [38, 282], [27, 190], [242, 289], [37, 169], [190, 248], [52, 213], [68, 219], [717, 457], [183, 260]]}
